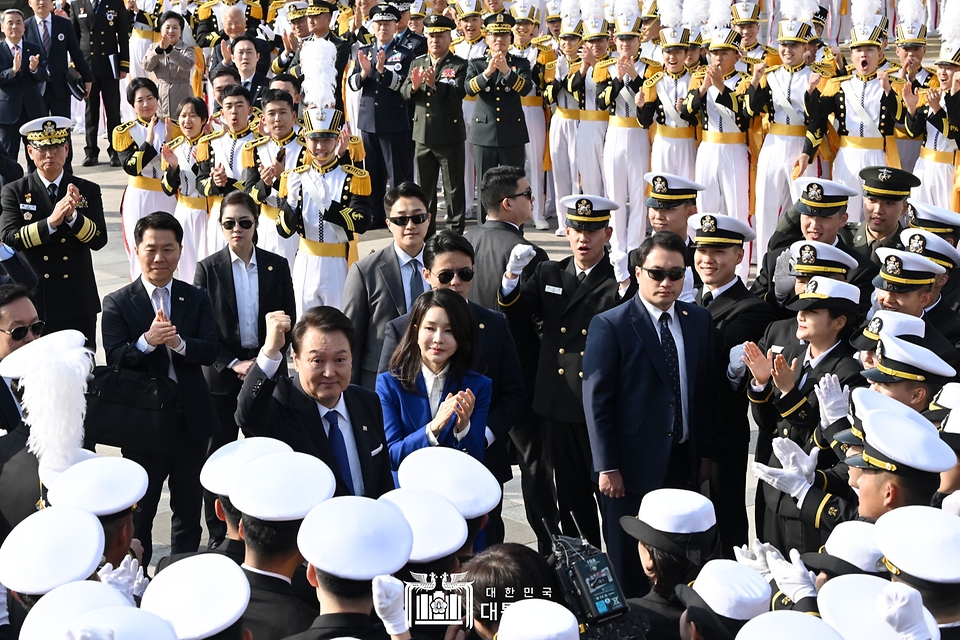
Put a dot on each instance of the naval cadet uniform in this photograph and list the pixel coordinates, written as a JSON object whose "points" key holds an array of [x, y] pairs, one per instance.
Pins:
{"points": [[192, 209]]}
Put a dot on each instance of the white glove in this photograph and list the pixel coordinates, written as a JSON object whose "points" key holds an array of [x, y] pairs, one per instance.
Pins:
{"points": [[902, 607], [123, 578], [619, 261], [388, 603], [951, 504], [755, 557], [88, 633], [793, 458], [736, 367], [783, 283], [520, 257], [793, 578], [789, 482], [834, 401], [874, 304], [688, 293]]}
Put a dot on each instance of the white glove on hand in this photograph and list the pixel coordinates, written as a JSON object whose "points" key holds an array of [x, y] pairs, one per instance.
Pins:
{"points": [[388, 602], [520, 257], [902, 607], [793, 578], [783, 283], [736, 367], [951, 504], [620, 269], [793, 458], [791, 483], [688, 294], [88, 633], [834, 401], [123, 578], [755, 557]]}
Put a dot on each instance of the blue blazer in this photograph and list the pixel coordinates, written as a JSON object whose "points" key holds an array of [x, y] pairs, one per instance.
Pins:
{"points": [[406, 414], [63, 40], [21, 91]]}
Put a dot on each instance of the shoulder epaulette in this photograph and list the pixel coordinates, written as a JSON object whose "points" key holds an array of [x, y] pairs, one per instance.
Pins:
{"points": [[606, 63], [653, 80], [248, 156], [601, 70], [832, 86], [699, 72], [303, 168], [212, 136], [769, 49], [751, 61], [360, 183], [176, 142], [542, 39], [744, 84], [933, 82], [456, 41], [206, 9], [282, 185], [256, 142], [773, 68], [121, 138], [203, 145], [650, 87]]}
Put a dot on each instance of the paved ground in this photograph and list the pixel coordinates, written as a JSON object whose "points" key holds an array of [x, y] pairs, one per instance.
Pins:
{"points": [[111, 267]]}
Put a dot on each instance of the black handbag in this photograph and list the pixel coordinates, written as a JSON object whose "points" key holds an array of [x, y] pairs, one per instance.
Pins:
{"points": [[131, 409], [78, 88]]}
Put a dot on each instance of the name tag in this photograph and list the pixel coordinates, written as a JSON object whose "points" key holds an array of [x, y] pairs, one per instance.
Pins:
{"points": [[28, 207], [776, 348], [83, 14], [552, 289], [395, 57]]}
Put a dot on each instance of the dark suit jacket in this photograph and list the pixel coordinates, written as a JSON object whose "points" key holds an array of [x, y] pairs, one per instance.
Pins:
{"points": [[215, 276], [21, 91], [264, 48], [438, 112], [233, 549], [343, 625], [19, 473], [627, 395], [62, 260], [128, 313], [494, 356], [103, 34], [498, 119], [279, 408], [382, 107], [372, 297], [274, 611], [63, 41]]}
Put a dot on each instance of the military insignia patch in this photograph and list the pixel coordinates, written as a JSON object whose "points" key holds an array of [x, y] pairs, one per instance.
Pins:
{"points": [[28, 198], [893, 266], [448, 73], [499, 18], [917, 244], [811, 287], [82, 203], [708, 224], [49, 128], [28, 216], [660, 184], [808, 254], [832, 512], [884, 174], [814, 192], [875, 325], [584, 207]]}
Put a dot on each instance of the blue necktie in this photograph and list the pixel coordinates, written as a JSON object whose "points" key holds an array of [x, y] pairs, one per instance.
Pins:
{"points": [[340, 450], [672, 360]]}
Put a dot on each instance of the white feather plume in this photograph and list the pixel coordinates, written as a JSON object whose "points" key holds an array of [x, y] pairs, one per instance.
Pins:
{"points": [[592, 9], [54, 404], [950, 22], [571, 8], [720, 14], [695, 12], [671, 12], [626, 9], [912, 11], [799, 10], [864, 12], [318, 58]]}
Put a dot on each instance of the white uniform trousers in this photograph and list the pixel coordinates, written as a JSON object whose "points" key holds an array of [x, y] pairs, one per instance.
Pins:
{"points": [[775, 190], [563, 155], [194, 223], [138, 48], [909, 150], [846, 170], [674, 155], [549, 200], [138, 203], [626, 155], [724, 169], [590, 135], [936, 182], [470, 176], [215, 239], [318, 281], [269, 239], [533, 150]]}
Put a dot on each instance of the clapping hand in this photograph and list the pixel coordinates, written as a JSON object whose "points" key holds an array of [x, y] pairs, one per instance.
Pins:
{"points": [[430, 77], [625, 68], [364, 61], [416, 77], [219, 175], [760, 365], [381, 61], [884, 78], [784, 374], [65, 207], [17, 62], [161, 330], [151, 129], [910, 98], [291, 43], [34, 62], [792, 577], [173, 341], [225, 52], [933, 99], [758, 71]]}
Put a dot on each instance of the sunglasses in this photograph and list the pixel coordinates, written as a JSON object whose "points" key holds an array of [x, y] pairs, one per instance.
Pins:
{"points": [[446, 276], [659, 274], [246, 223], [402, 221], [523, 194], [20, 333]]}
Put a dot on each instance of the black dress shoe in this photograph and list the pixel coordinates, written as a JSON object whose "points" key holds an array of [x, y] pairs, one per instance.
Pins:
{"points": [[90, 162], [115, 161]]}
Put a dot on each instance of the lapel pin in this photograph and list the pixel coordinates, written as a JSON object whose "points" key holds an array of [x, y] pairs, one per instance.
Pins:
{"points": [[270, 268], [181, 300], [482, 326], [683, 312], [364, 427]]}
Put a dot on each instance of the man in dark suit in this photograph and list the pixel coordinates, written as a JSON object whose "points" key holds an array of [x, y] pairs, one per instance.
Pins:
{"points": [[56, 220], [738, 316], [566, 295], [56, 36], [499, 130], [103, 29], [383, 285], [493, 242], [448, 264], [378, 74], [244, 55], [239, 310], [234, 26], [435, 86], [318, 412], [165, 326], [24, 67], [657, 353]]}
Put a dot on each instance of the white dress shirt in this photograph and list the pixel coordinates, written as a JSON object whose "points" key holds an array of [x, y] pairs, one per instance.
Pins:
{"points": [[271, 574], [434, 383], [719, 290], [246, 285], [46, 185], [677, 334], [142, 343], [406, 271]]}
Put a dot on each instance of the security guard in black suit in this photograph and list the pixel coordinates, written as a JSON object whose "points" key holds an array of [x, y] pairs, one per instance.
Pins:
{"points": [[379, 70], [739, 316], [435, 85], [499, 130], [885, 193], [105, 41], [55, 220]]}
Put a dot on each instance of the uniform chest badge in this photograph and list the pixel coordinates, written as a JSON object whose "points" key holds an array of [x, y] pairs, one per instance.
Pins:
{"points": [[917, 243], [28, 198], [111, 14], [893, 266], [27, 216], [82, 203]]}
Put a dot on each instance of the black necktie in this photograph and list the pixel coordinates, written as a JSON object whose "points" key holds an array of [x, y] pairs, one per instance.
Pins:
{"points": [[581, 277], [804, 372], [52, 192], [673, 368], [707, 299]]}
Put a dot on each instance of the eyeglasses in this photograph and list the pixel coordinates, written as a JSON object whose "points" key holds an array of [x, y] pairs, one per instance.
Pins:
{"points": [[659, 274], [446, 276], [230, 224], [20, 333], [524, 194], [402, 221]]}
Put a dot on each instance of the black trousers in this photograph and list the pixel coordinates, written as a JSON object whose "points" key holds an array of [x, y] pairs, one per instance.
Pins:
{"points": [[109, 89], [449, 158], [181, 470], [576, 490], [226, 407], [87, 325], [10, 135], [728, 487], [536, 476], [387, 161], [489, 157]]}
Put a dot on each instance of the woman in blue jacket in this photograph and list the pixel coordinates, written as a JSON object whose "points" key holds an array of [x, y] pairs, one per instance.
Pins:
{"points": [[429, 397]]}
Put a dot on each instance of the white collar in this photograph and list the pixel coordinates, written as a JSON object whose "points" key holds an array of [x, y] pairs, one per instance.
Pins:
{"points": [[404, 257], [47, 183], [815, 362], [234, 258], [656, 312], [150, 287], [719, 290], [270, 574], [429, 377], [936, 302], [12, 44], [341, 408]]}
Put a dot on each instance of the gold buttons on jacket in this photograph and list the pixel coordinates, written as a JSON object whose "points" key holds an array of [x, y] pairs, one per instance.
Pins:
{"points": [[584, 332], [562, 352], [563, 329], [560, 371]]}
